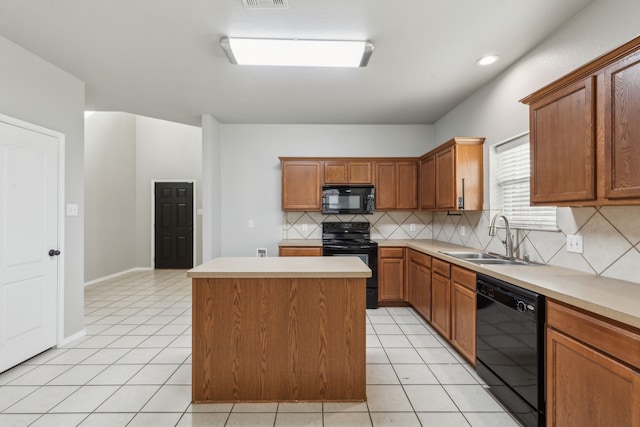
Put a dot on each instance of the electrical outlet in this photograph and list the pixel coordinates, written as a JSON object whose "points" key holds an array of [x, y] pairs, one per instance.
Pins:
{"points": [[574, 244], [261, 252], [250, 223], [412, 227], [463, 231], [304, 227]]}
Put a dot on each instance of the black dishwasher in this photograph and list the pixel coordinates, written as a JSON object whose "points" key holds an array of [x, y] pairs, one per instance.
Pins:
{"points": [[510, 346]]}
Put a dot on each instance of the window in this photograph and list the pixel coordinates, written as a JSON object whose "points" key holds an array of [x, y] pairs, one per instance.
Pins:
{"points": [[511, 177]]}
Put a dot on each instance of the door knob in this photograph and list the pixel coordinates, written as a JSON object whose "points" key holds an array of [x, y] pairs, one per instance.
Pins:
{"points": [[54, 252]]}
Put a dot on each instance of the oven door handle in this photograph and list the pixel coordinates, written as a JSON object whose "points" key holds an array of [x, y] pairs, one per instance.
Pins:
{"points": [[346, 247]]}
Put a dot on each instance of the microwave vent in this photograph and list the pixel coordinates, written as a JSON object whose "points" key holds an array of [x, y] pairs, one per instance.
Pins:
{"points": [[265, 4]]}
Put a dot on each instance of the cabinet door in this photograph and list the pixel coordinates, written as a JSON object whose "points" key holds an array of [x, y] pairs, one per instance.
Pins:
{"points": [[335, 172], [587, 388], [301, 185], [563, 141], [446, 179], [406, 185], [428, 183], [463, 321], [419, 283], [299, 251], [347, 172], [622, 128], [385, 183], [441, 304], [359, 173], [391, 279]]}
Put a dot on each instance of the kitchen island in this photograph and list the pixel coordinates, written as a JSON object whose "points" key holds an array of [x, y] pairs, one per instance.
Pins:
{"points": [[279, 329]]}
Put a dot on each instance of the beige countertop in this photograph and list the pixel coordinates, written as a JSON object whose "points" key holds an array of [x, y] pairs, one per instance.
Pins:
{"points": [[616, 299], [281, 267]]}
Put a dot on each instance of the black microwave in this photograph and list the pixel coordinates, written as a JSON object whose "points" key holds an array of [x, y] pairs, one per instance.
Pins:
{"points": [[348, 199]]}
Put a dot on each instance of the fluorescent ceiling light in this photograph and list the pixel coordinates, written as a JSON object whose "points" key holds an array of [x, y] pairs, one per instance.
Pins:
{"points": [[487, 60], [297, 53]]}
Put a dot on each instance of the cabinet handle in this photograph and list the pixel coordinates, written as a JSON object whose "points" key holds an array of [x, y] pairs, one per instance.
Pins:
{"points": [[461, 198]]}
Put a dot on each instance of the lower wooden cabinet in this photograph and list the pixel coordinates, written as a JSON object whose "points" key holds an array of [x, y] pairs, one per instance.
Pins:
{"points": [[463, 312], [299, 251], [419, 283], [391, 275], [592, 370], [441, 297]]}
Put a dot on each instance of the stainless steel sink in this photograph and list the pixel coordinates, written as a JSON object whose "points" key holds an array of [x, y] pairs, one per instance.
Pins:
{"points": [[484, 258]]}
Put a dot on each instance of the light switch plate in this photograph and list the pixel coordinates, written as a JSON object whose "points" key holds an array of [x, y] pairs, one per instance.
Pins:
{"points": [[72, 209]]}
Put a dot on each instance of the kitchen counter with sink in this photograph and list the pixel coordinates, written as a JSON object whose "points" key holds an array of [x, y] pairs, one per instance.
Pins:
{"points": [[616, 299]]}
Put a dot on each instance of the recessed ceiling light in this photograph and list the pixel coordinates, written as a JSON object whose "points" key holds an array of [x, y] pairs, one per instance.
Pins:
{"points": [[297, 53], [487, 60]]}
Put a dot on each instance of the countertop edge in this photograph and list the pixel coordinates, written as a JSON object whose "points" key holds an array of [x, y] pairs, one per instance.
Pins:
{"points": [[570, 286]]}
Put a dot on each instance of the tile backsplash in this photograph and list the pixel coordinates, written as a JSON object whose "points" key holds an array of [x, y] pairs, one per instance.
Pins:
{"points": [[611, 235]]}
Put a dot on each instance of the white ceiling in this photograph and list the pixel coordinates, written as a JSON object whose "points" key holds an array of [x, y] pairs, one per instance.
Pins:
{"points": [[162, 58]]}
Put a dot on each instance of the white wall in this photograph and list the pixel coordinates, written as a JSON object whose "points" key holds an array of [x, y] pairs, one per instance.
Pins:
{"points": [[35, 91], [211, 188], [164, 151], [250, 175], [110, 194]]}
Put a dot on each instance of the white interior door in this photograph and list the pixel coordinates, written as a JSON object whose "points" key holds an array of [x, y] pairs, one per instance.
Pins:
{"points": [[28, 231]]}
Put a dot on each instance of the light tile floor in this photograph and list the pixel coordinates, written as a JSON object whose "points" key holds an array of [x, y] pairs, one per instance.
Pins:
{"points": [[133, 368]]}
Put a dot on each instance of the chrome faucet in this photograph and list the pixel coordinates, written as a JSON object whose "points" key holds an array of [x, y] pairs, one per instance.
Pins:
{"points": [[508, 244]]}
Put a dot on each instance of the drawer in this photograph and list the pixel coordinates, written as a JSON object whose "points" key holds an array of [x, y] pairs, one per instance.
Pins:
{"points": [[466, 278], [390, 252], [443, 268], [618, 340], [420, 258], [300, 251]]}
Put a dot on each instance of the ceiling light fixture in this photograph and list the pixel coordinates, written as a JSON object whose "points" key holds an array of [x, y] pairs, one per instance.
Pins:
{"points": [[297, 53], [487, 60]]}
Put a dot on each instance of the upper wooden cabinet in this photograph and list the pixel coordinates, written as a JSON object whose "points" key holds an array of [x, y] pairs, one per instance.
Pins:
{"points": [[585, 135], [563, 145], [451, 176], [396, 184], [301, 185], [347, 172]]}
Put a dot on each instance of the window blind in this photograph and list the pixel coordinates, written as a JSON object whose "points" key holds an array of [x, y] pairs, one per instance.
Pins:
{"points": [[513, 166]]}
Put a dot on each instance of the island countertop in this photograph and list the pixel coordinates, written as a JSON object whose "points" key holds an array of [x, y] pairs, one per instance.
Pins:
{"points": [[282, 267]]}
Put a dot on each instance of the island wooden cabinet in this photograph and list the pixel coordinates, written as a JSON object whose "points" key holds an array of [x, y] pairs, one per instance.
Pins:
{"points": [[300, 251], [419, 282], [301, 185], [441, 297], [585, 133], [592, 369], [463, 312], [391, 275], [396, 183], [452, 176], [348, 172]]}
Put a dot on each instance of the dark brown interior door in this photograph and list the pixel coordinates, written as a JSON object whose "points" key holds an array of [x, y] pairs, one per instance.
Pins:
{"points": [[174, 224]]}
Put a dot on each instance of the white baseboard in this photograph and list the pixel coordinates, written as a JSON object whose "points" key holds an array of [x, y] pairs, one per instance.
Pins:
{"points": [[114, 275], [71, 338]]}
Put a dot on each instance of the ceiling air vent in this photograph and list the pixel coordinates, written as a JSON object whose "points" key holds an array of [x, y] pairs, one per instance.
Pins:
{"points": [[265, 4]]}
